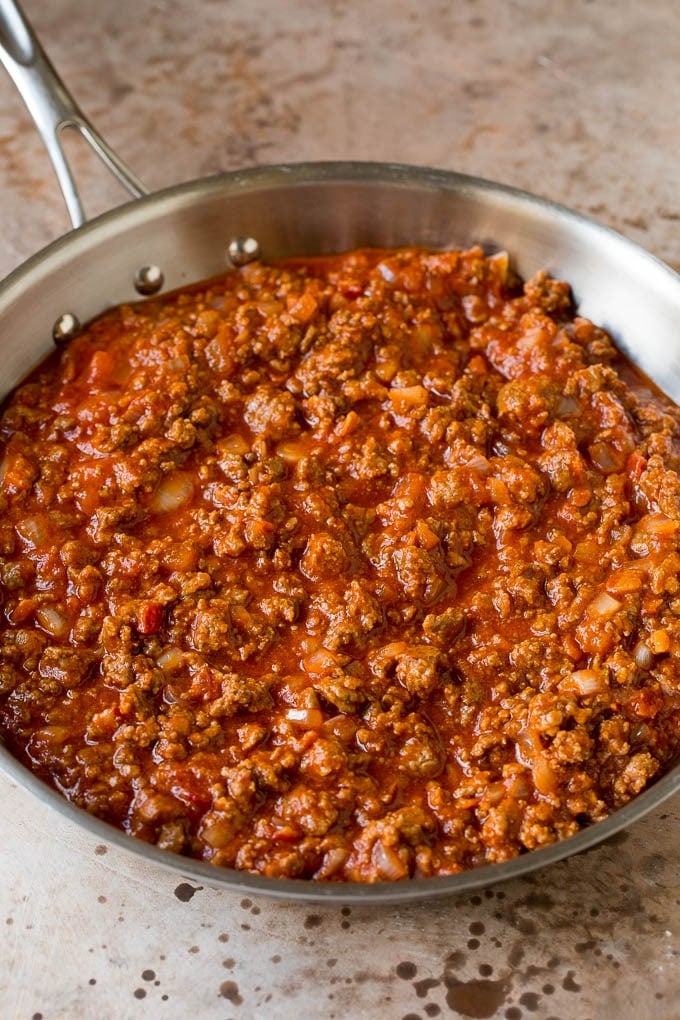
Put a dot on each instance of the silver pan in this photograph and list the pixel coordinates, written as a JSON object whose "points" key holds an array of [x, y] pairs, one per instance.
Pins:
{"points": [[187, 231]]}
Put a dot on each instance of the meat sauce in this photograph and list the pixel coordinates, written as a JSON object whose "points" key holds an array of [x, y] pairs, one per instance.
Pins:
{"points": [[355, 569]]}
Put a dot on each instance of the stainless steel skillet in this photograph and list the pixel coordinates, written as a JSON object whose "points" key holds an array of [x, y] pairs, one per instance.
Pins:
{"points": [[186, 232]]}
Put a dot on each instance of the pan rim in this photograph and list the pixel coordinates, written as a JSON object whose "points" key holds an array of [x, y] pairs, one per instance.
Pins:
{"points": [[300, 174], [262, 178]]}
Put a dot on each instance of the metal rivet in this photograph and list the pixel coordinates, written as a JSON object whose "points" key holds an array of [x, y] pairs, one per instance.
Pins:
{"points": [[243, 250], [149, 280], [65, 328]]}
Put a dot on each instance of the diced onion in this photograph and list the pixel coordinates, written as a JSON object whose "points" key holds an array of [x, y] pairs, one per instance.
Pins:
{"points": [[643, 655], [319, 662], [604, 605], [427, 539], [51, 620], [170, 659], [584, 682], [587, 552], [544, 777], [479, 464], [388, 862], [501, 259], [291, 451], [658, 525], [308, 718], [217, 831], [332, 862], [32, 531], [405, 399], [172, 493], [567, 406], [234, 444], [605, 457], [625, 581], [386, 272]]}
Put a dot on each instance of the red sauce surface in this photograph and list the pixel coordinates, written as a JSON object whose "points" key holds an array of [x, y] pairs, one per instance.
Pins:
{"points": [[355, 568]]}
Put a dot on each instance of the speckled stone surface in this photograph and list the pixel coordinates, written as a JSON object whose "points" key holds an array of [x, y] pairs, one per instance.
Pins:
{"points": [[575, 100]]}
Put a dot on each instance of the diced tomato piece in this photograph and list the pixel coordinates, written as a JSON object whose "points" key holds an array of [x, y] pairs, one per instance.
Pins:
{"points": [[149, 617], [635, 465]]}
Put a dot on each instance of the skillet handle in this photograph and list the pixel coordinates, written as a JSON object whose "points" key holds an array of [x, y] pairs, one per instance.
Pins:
{"points": [[52, 107]]}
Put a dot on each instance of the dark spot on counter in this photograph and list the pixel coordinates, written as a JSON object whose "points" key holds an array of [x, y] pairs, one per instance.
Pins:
{"points": [[332, 962], [475, 900], [346, 911], [223, 937], [37, 1016], [313, 920], [245, 927], [432, 1009], [553, 962], [148, 975], [276, 958], [475, 998], [184, 891], [361, 977], [406, 970], [476, 928], [548, 989], [412, 1016], [652, 865], [229, 990], [246, 903], [101, 899], [584, 947], [537, 900], [422, 987], [531, 1000], [229, 963], [473, 943], [139, 993], [636, 221], [255, 911], [101, 850], [345, 925], [485, 969], [164, 998], [92, 981], [569, 984], [193, 949], [513, 1013]]}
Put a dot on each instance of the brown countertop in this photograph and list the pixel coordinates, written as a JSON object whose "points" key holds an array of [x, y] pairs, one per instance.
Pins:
{"points": [[578, 101]]}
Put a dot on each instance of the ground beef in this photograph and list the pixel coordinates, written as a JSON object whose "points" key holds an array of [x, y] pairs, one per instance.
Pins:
{"points": [[357, 568]]}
